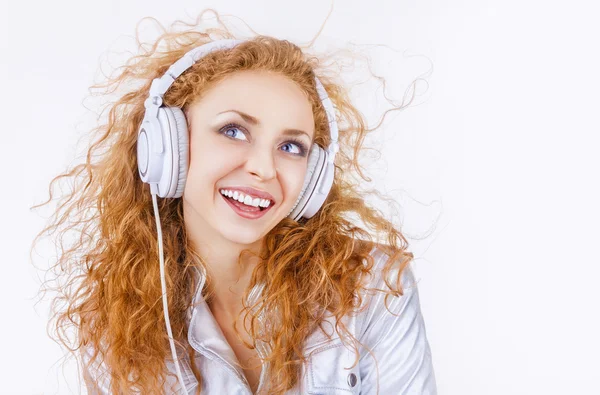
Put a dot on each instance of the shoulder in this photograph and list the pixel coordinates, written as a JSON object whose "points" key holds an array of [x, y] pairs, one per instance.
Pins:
{"points": [[381, 255], [379, 306], [396, 357]]}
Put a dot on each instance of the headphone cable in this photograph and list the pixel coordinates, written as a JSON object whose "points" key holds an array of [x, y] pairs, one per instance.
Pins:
{"points": [[154, 191]]}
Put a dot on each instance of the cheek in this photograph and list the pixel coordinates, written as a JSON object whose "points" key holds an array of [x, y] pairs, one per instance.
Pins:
{"points": [[292, 179], [207, 156], [205, 142], [206, 167]]}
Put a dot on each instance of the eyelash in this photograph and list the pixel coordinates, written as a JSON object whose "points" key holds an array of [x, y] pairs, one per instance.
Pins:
{"points": [[299, 143]]}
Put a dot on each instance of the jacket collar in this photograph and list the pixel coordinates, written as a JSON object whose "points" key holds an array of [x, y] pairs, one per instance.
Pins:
{"points": [[207, 338]]}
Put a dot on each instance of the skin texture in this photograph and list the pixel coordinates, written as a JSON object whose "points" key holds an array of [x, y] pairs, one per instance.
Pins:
{"points": [[259, 156]]}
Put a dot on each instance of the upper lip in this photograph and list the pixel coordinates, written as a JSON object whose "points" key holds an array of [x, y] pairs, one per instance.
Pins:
{"points": [[252, 192]]}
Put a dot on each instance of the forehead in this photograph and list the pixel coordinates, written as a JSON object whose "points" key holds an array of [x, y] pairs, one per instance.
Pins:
{"points": [[258, 81], [262, 94]]}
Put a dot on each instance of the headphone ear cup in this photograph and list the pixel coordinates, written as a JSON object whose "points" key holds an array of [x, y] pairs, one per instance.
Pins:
{"points": [[316, 161], [176, 158], [183, 149]]}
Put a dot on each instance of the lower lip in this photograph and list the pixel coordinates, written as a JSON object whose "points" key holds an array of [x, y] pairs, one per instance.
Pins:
{"points": [[246, 214]]}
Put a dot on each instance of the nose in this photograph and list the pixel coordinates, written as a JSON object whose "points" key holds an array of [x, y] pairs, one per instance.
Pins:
{"points": [[261, 163]]}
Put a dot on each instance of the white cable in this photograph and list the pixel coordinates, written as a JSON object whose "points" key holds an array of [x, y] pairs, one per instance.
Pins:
{"points": [[153, 191]]}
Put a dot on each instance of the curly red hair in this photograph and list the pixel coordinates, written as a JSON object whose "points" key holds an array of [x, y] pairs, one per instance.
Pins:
{"points": [[109, 282]]}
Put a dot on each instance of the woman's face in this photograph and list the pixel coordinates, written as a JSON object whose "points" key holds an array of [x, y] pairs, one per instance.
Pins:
{"points": [[229, 151]]}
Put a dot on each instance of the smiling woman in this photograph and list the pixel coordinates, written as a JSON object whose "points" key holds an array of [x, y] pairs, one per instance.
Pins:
{"points": [[266, 284], [258, 155]]}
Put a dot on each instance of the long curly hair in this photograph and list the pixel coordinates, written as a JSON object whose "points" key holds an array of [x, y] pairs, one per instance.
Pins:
{"points": [[108, 278]]}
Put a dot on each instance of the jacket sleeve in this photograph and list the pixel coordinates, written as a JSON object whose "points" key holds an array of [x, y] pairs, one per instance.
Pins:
{"points": [[401, 353]]}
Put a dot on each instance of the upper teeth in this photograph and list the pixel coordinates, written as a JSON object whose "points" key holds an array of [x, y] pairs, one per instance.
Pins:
{"points": [[246, 199]]}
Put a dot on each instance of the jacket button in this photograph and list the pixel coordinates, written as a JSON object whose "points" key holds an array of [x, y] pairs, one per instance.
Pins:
{"points": [[351, 379]]}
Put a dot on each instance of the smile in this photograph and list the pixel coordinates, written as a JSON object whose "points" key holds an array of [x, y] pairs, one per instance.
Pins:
{"points": [[248, 212]]}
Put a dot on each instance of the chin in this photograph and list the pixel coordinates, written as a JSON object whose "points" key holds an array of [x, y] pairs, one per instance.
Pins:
{"points": [[241, 236]]}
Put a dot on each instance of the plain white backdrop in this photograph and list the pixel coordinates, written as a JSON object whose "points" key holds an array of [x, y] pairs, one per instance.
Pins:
{"points": [[494, 165]]}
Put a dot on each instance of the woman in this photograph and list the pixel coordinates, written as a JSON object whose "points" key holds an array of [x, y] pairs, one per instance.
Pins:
{"points": [[268, 286]]}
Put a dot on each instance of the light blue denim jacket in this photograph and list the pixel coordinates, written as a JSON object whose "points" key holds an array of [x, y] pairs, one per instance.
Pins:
{"points": [[400, 363]]}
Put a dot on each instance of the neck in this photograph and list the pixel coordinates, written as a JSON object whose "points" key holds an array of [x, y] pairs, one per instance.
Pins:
{"points": [[229, 273]]}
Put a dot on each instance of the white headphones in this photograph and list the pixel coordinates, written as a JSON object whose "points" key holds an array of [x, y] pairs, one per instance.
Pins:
{"points": [[163, 144]]}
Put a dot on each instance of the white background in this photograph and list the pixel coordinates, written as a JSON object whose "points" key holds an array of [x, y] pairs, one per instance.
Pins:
{"points": [[494, 165]]}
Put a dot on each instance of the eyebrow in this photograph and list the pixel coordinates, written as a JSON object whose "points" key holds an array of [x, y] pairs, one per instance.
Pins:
{"points": [[254, 121]]}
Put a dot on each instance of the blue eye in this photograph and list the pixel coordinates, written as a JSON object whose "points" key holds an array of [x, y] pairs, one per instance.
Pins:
{"points": [[301, 147], [227, 128]]}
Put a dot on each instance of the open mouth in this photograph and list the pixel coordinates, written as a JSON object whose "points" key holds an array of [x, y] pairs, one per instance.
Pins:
{"points": [[245, 210]]}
